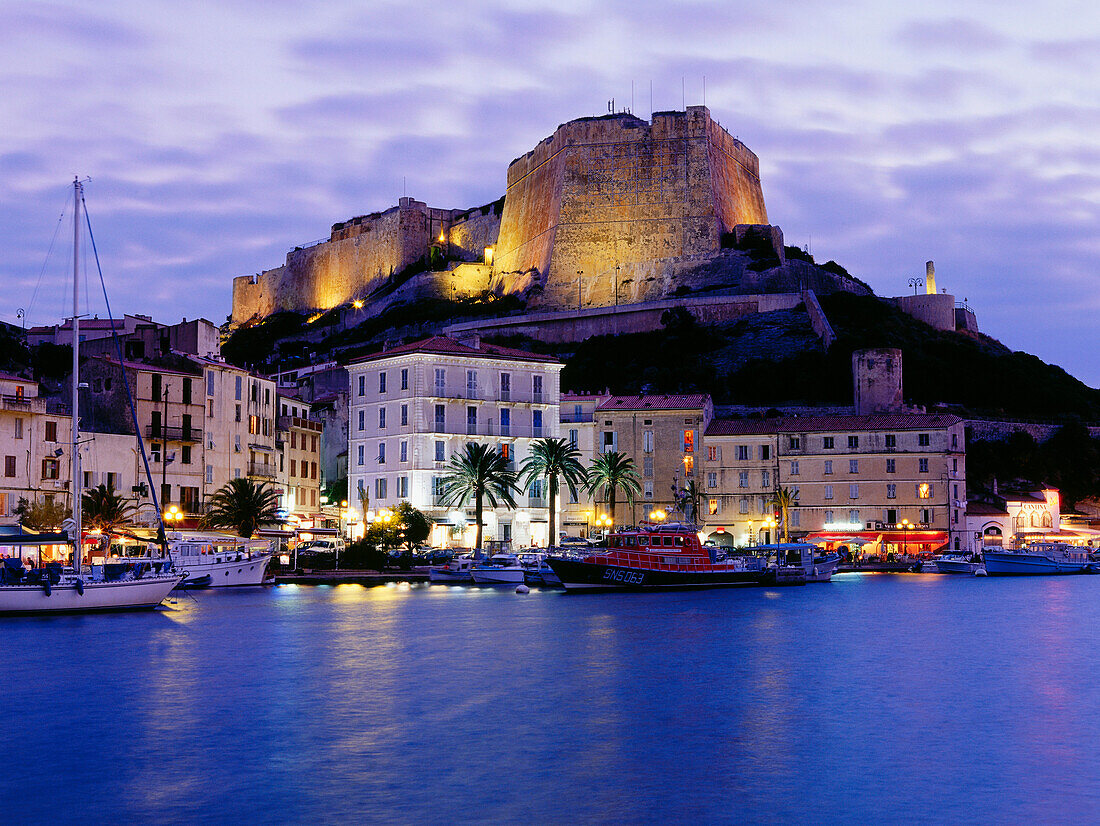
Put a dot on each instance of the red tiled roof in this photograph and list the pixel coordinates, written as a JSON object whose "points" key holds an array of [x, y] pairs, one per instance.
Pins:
{"points": [[583, 397], [148, 368], [826, 424], [10, 377], [445, 345], [695, 401]]}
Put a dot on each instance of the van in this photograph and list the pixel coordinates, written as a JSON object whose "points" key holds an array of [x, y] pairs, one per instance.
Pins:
{"points": [[327, 545]]}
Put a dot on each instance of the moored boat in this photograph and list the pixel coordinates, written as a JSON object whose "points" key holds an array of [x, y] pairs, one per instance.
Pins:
{"points": [[957, 562], [500, 569], [458, 569], [1039, 558], [219, 561], [654, 557]]}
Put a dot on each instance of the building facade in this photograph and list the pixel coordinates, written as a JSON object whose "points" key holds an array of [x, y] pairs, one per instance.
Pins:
{"points": [[35, 446], [298, 439], [412, 407]]}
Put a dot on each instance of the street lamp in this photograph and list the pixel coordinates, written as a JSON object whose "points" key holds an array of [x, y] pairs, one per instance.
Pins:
{"points": [[751, 537], [604, 521], [905, 526], [767, 525], [658, 515]]}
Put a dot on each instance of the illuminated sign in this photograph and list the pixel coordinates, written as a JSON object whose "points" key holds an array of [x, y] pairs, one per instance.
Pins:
{"points": [[843, 526]]}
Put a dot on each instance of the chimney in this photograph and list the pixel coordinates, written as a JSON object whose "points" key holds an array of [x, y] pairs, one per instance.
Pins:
{"points": [[471, 340], [930, 277]]}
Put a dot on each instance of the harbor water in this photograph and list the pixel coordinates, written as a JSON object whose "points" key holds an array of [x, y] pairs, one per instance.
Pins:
{"points": [[877, 698]]}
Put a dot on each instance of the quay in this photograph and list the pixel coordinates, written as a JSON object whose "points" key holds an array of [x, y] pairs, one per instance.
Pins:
{"points": [[350, 577]]}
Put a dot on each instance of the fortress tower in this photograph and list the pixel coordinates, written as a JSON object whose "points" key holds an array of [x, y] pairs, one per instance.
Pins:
{"points": [[591, 208]]}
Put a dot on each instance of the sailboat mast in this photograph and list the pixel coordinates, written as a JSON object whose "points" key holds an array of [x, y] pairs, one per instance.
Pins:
{"points": [[78, 548]]}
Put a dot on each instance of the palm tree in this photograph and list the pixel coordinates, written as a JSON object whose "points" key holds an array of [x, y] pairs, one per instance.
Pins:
{"points": [[610, 473], [553, 458], [105, 510], [242, 505], [785, 499], [691, 496], [479, 471]]}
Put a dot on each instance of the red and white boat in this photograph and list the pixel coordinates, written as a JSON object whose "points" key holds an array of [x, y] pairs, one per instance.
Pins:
{"points": [[652, 557]]}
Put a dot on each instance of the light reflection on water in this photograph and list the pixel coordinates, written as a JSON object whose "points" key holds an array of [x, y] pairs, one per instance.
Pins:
{"points": [[439, 703]]}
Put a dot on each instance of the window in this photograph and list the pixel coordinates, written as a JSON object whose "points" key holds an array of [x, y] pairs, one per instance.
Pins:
{"points": [[574, 438], [647, 466], [404, 451], [294, 440], [505, 386], [403, 487], [404, 415], [765, 452], [794, 442], [381, 453], [689, 441], [891, 466], [380, 488], [471, 384], [743, 453], [828, 492], [891, 491], [954, 441], [440, 417], [794, 467], [294, 467], [237, 388], [743, 479], [828, 467], [922, 465], [210, 383], [471, 421], [955, 492], [210, 408], [765, 479], [19, 428], [891, 440], [712, 453], [505, 422], [209, 474], [362, 419], [578, 413], [609, 440], [689, 465], [647, 441], [440, 381], [185, 454], [155, 393], [536, 422], [382, 382], [954, 465], [853, 465], [827, 443], [712, 480], [440, 451], [362, 385], [927, 516], [381, 417], [922, 440], [51, 431], [187, 391], [744, 504], [536, 387], [853, 516], [9, 466], [795, 518], [853, 491], [50, 468], [405, 378], [924, 490], [853, 442], [828, 517], [237, 414], [360, 455], [647, 489]]}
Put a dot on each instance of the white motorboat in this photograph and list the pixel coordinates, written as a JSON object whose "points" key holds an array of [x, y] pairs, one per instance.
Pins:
{"points": [[457, 570], [219, 561], [957, 562], [500, 569], [53, 588], [799, 562], [1039, 558]]}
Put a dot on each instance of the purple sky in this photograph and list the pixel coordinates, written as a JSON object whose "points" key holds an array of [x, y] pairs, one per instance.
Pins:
{"points": [[219, 135]]}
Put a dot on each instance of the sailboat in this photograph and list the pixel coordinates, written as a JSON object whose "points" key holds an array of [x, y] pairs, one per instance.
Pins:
{"points": [[56, 589]]}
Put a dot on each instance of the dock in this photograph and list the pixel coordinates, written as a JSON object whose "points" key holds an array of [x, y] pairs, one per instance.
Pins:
{"points": [[350, 577]]}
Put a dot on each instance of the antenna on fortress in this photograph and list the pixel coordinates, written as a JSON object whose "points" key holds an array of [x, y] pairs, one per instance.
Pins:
{"points": [[704, 90], [403, 192], [651, 100], [683, 91], [632, 97]]}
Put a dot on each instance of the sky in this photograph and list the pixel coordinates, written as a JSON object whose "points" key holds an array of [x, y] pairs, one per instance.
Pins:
{"points": [[217, 136]]}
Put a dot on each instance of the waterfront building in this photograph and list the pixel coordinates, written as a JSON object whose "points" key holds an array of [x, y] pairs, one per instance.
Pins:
{"points": [[413, 406], [1013, 518], [34, 444], [897, 477], [298, 438], [663, 434], [579, 514]]}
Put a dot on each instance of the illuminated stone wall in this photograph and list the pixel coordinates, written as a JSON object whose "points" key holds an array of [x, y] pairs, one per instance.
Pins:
{"points": [[616, 191]]}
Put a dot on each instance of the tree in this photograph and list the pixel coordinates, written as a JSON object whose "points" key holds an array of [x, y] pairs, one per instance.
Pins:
{"points": [[610, 473], [785, 499], [41, 515], [480, 472], [690, 500], [410, 526], [104, 510], [242, 505], [551, 458]]}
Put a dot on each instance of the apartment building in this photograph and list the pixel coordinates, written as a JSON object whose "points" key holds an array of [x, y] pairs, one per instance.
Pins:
{"points": [[34, 443], [298, 439], [414, 406], [663, 434], [577, 415], [852, 474]]}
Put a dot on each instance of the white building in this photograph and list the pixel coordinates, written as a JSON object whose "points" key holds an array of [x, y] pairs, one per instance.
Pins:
{"points": [[34, 447], [412, 407]]}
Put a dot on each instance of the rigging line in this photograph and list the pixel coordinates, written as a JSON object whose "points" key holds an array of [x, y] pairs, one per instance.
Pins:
{"points": [[46, 262], [162, 537]]}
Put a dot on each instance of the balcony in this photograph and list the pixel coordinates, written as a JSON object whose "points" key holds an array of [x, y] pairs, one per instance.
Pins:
{"points": [[287, 422], [173, 434], [536, 502], [22, 404], [261, 470]]}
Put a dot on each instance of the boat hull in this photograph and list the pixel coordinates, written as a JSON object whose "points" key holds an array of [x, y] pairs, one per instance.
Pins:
{"points": [[578, 574], [1009, 564], [823, 569], [230, 573], [498, 576], [956, 567], [66, 598]]}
